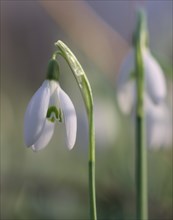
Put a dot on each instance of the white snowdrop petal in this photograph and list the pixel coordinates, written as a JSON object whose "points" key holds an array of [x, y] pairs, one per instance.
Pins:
{"points": [[54, 99], [70, 118], [126, 96], [126, 69], [36, 114], [155, 80], [158, 122], [45, 137]]}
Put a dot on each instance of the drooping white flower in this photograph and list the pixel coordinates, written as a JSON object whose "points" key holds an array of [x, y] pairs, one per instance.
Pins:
{"points": [[48, 105], [156, 111], [155, 84]]}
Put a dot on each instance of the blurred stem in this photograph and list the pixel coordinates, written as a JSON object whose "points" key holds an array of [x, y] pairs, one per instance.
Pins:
{"points": [[141, 149], [86, 92]]}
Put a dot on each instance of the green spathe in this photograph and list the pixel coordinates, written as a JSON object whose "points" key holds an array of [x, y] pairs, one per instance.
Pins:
{"points": [[53, 70], [141, 32]]}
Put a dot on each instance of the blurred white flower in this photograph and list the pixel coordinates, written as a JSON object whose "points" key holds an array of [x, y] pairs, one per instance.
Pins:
{"points": [[158, 117], [48, 105], [155, 84]]}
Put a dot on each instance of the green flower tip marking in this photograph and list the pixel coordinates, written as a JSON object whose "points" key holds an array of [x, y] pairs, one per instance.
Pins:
{"points": [[53, 113], [53, 70]]}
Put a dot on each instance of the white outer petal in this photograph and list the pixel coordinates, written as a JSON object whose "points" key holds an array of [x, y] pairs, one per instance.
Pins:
{"points": [[70, 118], [45, 137], [155, 80], [36, 114], [159, 126], [126, 69], [125, 85], [126, 96]]}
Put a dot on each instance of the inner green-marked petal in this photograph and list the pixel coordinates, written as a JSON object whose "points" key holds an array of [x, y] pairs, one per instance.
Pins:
{"points": [[53, 113], [52, 109]]}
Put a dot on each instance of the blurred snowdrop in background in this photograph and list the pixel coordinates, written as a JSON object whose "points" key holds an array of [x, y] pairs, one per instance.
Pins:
{"points": [[158, 112], [155, 85]]}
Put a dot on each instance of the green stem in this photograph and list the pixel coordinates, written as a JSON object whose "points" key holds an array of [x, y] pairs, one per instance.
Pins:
{"points": [[141, 149], [140, 42], [141, 172], [86, 92], [92, 193]]}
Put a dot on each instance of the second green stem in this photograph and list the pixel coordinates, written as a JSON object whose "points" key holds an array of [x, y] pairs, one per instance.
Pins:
{"points": [[141, 149]]}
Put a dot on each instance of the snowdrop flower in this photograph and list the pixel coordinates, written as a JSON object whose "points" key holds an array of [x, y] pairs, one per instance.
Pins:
{"points": [[48, 105], [156, 110], [155, 85]]}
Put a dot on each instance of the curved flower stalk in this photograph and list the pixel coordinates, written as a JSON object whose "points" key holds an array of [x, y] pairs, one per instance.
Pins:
{"points": [[48, 105], [86, 92]]}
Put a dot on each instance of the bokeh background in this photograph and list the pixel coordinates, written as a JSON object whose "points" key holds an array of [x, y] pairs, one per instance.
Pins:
{"points": [[53, 183]]}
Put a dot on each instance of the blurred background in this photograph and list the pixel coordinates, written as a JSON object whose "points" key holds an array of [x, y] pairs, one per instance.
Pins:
{"points": [[53, 183]]}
